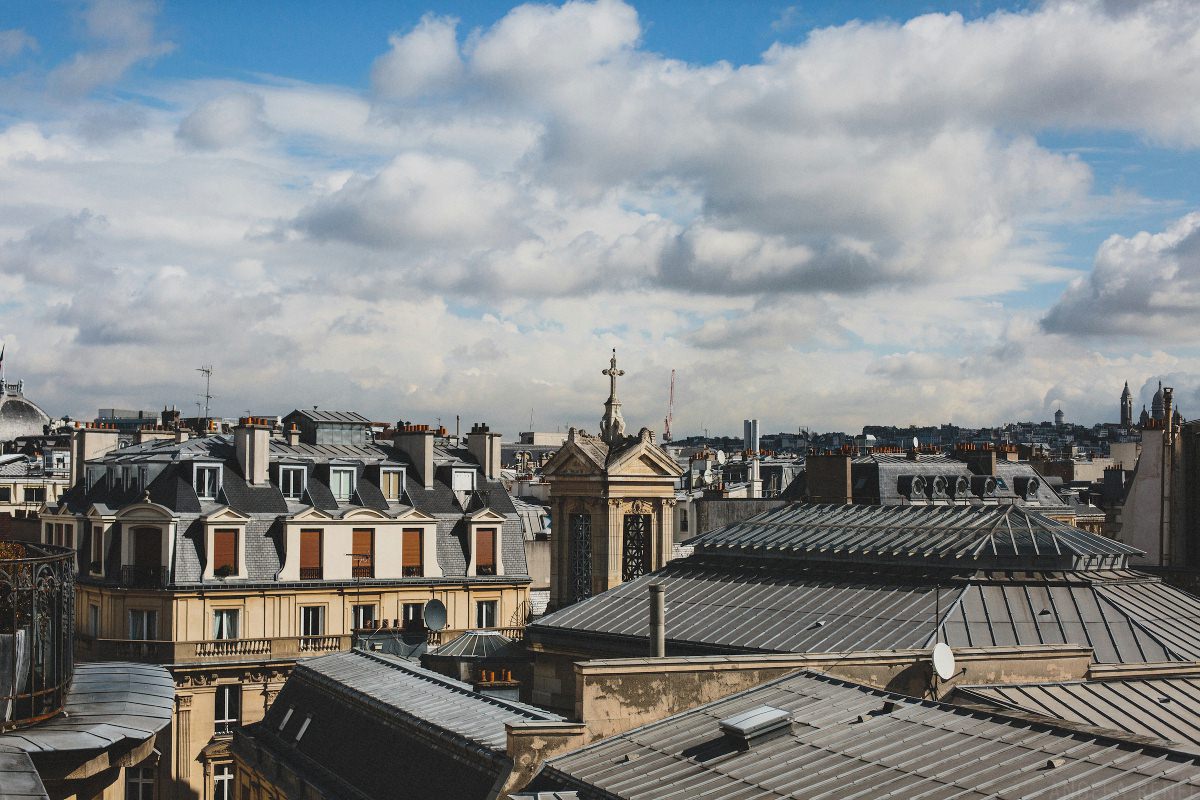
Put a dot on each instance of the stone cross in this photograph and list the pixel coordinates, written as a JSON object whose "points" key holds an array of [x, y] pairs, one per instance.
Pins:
{"points": [[613, 373]]}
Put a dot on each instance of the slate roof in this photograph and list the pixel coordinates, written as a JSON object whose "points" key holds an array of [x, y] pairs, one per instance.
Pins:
{"points": [[376, 723], [317, 415], [847, 741], [19, 780], [834, 588], [1165, 709]]}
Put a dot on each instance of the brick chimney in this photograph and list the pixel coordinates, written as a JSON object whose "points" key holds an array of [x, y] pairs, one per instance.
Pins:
{"points": [[252, 444]]}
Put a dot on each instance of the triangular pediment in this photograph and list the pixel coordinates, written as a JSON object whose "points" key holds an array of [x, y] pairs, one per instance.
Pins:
{"points": [[98, 512], [415, 515], [312, 512], [226, 514], [486, 515], [644, 458], [572, 459]]}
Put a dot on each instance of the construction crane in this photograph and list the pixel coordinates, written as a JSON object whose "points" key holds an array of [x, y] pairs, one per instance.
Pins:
{"points": [[670, 410]]}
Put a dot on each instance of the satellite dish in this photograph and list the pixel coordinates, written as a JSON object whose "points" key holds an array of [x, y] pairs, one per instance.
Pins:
{"points": [[943, 661], [916, 444], [707, 477], [434, 615], [720, 456]]}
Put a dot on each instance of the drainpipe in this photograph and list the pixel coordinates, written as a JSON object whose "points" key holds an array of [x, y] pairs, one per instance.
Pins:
{"points": [[658, 621]]}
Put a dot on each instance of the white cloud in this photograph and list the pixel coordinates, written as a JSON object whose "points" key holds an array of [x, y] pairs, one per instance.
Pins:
{"points": [[124, 34], [425, 60], [14, 42], [226, 121]]}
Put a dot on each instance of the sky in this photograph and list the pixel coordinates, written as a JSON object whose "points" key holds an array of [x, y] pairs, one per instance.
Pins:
{"points": [[818, 214]]}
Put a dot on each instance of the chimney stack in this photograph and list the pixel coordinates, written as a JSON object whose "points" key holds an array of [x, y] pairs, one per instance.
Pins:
{"points": [[658, 621], [293, 436], [252, 443], [484, 447], [415, 444], [88, 444]]}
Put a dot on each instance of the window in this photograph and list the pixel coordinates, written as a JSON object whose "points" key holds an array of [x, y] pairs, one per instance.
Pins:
{"points": [[139, 783], [414, 565], [341, 482], [223, 782], [312, 620], [225, 553], [143, 625], [97, 564], [310, 555], [207, 481], [225, 623], [362, 559], [391, 481], [364, 616], [227, 714], [35, 494], [93, 619], [68, 536], [485, 614], [291, 482], [463, 480], [143, 478], [5, 494], [414, 616], [683, 522], [485, 551]]}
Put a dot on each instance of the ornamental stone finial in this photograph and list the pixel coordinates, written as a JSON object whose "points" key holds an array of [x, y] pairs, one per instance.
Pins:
{"points": [[612, 424]]}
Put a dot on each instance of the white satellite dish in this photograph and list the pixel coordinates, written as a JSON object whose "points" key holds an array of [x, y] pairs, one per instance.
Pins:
{"points": [[916, 444], [943, 661], [720, 456], [707, 477]]}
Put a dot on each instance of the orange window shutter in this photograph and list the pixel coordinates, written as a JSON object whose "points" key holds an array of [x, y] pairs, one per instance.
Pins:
{"points": [[363, 544], [412, 549], [225, 550], [485, 548], [310, 549]]}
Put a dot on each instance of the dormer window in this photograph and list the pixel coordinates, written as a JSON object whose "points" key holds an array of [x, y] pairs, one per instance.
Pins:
{"points": [[463, 480], [341, 483], [208, 481], [291, 482], [391, 481]]}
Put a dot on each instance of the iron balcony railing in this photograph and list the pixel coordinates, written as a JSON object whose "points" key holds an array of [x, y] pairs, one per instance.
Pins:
{"points": [[136, 576], [37, 626]]}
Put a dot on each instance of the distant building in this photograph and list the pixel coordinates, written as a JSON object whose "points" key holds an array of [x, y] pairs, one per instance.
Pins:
{"points": [[1126, 407], [750, 435], [1060, 418], [19, 416]]}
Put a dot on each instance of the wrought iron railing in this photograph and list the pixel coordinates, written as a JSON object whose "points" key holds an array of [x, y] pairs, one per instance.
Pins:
{"points": [[310, 573], [37, 624], [362, 571], [136, 576]]}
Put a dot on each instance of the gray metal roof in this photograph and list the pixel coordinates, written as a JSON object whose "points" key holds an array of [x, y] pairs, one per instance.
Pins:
{"points": [[972, 536], [110, 705], [1167, 709], [848, 741], [316, 415], [475, 644], [19, 780]]}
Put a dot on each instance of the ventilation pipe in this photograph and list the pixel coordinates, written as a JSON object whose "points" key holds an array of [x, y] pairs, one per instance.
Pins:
{"points": [[658, 621]]}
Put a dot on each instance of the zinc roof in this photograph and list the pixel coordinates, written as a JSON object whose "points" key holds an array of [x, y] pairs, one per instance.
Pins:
{"points": [[849, 742], [1166, 709]]}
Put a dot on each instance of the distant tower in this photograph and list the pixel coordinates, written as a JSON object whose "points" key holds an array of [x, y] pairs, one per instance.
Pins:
{"points": [[750, 435], [1144, 419], [1156, 405], [1059, 418], [1126, 407]]}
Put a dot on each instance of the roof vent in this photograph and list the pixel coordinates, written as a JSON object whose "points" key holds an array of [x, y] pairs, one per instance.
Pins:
{"points": [[755, 725]]}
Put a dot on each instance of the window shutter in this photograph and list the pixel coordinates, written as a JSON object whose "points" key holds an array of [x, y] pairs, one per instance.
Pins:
{"points": [[413, 564], [363, 549], [310, 549], [485, 551], [225, 551]]}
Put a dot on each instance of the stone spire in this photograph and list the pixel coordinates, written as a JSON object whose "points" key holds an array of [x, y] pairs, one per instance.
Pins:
{"points": [[612, 424], [1126, 407]]}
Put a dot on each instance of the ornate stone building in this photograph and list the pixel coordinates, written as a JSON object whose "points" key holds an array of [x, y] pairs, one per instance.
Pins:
{"points": [[612, 498]]}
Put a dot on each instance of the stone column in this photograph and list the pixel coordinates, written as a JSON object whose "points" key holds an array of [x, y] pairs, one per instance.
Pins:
{"points": [[612, 557], [183, 743]]}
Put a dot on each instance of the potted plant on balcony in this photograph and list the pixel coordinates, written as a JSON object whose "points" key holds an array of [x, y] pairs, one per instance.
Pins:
{"points": [[15, 625]]}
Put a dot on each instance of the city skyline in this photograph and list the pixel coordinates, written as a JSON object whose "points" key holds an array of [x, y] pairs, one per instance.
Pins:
{"points": [[898, 214]]}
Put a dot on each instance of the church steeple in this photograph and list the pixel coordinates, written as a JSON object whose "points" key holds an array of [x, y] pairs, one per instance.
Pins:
{"points": [[1126, 407], [612, 424]]}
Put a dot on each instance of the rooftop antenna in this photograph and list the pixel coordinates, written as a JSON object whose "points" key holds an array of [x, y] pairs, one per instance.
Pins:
{"points": [[208, 371], [531, 419], [670, 410]]}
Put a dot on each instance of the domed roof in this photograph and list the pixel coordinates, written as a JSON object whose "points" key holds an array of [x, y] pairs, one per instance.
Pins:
{"points": [[19, 416], [1156, 404]]}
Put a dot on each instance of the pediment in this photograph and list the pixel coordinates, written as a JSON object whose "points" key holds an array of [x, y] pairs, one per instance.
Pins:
{"points": [[226, 514], [96, 512], [364, 513], [486, 515], [312, 512], [575, 459], [145, 510], [645, 459], [414, 515]]}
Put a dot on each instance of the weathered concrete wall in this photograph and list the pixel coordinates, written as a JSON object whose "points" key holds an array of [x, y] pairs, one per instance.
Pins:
{"points": [[712, 514], [615, 695], [531, 743]]}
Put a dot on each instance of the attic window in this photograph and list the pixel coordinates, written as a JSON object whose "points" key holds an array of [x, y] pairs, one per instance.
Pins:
{"points": [[291, 482], [463, 480], [341, 482], [208, 481], [391, 482]]}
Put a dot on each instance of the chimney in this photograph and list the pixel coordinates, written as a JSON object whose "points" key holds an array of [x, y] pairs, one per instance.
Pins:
{"points": [[293, 435], [181, 435], [484, 447], [755, 478], [1168, 415], [252, 443], [829, 478], [658, 621], [89, 444], [415, 444]]}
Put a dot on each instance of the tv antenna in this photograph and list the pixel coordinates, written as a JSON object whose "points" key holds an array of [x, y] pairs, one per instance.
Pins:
{"points": [[670, 410], [208, 371]]}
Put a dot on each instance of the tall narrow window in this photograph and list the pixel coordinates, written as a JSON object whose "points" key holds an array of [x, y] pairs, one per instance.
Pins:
{"points": [[291, 482], [312, 620], [310, 555], [223, 782], [414, 566], [485, 551], [581, 556], [485, 614], [225, 623], [341, 483], [225, 553], [227, 714], [362, 560], [5, 494], [414, 616], [143, 625], [94, 619], [97, 565], [207, 481], [635, 551], [68, 536], [364, 616], [391, 481]]}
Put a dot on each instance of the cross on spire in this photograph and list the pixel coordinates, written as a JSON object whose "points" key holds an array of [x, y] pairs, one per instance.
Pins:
{"points": [[612, 424], [613, 373]]}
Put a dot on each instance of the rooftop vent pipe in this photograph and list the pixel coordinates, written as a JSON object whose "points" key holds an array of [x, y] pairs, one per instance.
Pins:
{"points": [[658, 621]]}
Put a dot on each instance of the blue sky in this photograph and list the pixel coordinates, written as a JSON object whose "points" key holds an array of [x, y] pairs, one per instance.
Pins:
{"points": [[821, 214]]}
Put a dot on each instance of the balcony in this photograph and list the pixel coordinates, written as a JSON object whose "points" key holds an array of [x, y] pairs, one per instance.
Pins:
{"points": [[136, 576], [362, 571], [210, 650], [310, 573]]}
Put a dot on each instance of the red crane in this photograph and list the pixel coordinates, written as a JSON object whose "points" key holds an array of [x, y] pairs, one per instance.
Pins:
{"points": [[670, 410]]}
